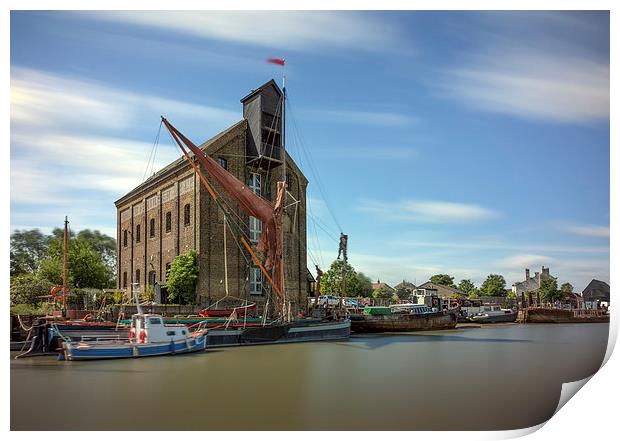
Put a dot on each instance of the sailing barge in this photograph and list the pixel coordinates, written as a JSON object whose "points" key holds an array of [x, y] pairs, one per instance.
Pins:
{"points": [[389, 319]]}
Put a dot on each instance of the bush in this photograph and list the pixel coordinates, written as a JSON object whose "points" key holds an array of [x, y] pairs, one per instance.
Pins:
{"points": [[29, 289], [24, 309], [181, 281]]}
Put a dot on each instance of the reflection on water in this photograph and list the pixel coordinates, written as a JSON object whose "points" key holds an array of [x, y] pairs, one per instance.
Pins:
{"points": [[494, 377]]}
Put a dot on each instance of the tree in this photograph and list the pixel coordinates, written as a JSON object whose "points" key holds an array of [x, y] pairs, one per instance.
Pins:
{"points": [[102, 244], [548, 290], [331, 282], [494, 285], [566, 288], [466, 286], [360, 287], [182, 276], [474, 293], [443, 279], [28, 247], [29, 289], [382, 293], [86, 267]]}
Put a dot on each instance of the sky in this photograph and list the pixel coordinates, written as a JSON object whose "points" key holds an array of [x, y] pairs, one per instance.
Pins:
{"points": [[466, 143]]}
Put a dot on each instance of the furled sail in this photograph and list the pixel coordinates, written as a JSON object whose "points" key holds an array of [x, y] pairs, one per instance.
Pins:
{"points": [[270, 241]]}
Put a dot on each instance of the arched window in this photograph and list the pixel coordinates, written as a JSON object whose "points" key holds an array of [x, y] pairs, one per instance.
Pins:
{"points": [[124, 238], [138, 233], [152, 227], [137, 276], [187, 214], [168, 222], [125, 279], [167, 269]]}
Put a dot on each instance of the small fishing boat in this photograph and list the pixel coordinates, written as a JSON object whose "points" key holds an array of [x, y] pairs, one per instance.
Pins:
{"points": [[494, 314], [402, 319], [148, 336]]}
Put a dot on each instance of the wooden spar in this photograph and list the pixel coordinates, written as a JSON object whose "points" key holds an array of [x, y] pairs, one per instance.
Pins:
{"points": [[283, 141], [65, 265], [262, 268]]}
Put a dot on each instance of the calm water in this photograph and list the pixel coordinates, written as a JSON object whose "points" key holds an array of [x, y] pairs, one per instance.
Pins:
{"points": [[496, 377]]}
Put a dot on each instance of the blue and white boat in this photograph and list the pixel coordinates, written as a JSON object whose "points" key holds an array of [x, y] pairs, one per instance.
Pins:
{"points": [[148, 336]]}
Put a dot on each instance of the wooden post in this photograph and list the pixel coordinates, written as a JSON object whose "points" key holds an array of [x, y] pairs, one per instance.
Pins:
{"points": [[65, 266]]}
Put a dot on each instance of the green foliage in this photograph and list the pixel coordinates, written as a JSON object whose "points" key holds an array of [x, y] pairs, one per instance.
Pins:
{"points": [[548, 290], [28, 247], [382, 293], [360, 286], [147, 295], [86, 266], [29, 289], [494, 285], [25, 309], [182, 277], [566, 288], [443, 279], [511, 295], [474, 293], [466, 286], [103, 245], [117, 297], [331, 282], [395, 298]]}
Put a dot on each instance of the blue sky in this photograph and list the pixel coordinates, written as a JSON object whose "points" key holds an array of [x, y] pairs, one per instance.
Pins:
{"points": [[460, 142]]}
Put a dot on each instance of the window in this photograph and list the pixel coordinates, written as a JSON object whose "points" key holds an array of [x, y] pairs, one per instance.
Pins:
{"points": [[256, 227], [168, 222], [124, 238], [154, 321], [223, 163], [137, 276], [256, 280], [254, 182], [187, 214], [152, 278], [138, 233], [125, 279], [171, 333], [152, 228], [167, 269]]}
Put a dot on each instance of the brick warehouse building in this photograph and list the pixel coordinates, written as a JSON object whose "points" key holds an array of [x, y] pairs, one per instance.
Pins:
{"points": [[172, 212]]}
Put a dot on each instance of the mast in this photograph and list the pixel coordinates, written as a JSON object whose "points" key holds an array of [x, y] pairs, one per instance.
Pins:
{"points": [[65, 264], [282, 271]]}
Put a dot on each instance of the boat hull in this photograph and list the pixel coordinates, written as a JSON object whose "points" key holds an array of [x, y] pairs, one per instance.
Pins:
{"points": [[289, 333], [551, 315], [503, 318], [93, 351], [403, 322]]}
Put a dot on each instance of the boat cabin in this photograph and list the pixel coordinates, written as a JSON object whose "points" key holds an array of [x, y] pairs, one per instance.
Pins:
{"points": [[150, 328]]}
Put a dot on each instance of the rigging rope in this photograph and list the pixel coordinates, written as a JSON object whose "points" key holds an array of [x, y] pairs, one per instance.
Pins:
{"points": [[151, 159]]}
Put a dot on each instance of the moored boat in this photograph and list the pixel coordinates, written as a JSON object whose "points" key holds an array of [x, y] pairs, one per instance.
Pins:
{"points": [[494, 314], [537, 314], [386, 319], [148, 336]]}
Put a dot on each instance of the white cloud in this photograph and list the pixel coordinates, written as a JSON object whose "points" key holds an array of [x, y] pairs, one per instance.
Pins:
{"points": [[427, 211], [588, 230], [524, 261], [540, 247], [361, 117], [43, 100], [302, 30], [532, 85]]}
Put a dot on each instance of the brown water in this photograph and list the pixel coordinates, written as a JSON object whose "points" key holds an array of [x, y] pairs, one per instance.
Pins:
{"points": [[504, 376]]}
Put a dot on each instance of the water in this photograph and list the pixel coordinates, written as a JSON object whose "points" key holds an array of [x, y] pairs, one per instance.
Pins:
{"points": [[503, 376]]}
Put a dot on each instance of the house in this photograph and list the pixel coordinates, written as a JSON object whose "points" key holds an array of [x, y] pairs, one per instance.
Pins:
{"points": [[441, 291], [596, 294], [171, 212], [405, 287], [531, 284]]}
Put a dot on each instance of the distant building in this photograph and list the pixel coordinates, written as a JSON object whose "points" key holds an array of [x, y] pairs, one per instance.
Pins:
{"points": [[442, 291], [596, 294], [408, 287], [531, 284]]}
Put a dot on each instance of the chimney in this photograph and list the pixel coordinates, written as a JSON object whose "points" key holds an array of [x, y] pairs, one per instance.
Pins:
{"points": [[545, 271], [527, 274]]}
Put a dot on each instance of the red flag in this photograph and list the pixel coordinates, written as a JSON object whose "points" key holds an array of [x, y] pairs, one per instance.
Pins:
{"points": [[279, 61]]}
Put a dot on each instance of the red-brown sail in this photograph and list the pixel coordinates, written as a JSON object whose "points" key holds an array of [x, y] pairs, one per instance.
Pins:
{"points": [[269, 214]]}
